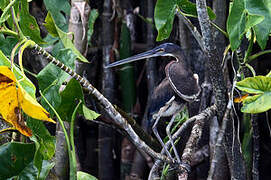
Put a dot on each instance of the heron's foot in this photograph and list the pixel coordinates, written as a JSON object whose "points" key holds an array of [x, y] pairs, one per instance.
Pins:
{"points": [[184, 167]]}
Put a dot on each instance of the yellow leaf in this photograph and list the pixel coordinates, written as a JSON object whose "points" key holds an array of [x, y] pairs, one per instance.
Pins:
{"points": [[31, 107], [13, 99]]}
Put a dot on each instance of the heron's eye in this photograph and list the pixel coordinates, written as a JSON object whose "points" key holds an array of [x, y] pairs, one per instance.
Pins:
{"points": [[161, 50]]}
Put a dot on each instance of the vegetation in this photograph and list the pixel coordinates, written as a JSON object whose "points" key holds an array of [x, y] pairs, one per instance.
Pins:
{"points": [[61, 48]]}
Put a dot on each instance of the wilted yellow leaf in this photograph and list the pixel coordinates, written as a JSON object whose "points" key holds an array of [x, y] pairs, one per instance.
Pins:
{"points": [[14, 98]]}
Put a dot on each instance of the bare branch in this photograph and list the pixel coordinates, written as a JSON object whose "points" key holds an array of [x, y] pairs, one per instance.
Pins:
{"points": [[256, 148], [108, 107], [192, 29]]}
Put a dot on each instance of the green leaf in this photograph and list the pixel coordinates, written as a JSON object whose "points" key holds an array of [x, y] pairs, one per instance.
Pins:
{"points": [[89, 114], [51, 78], [92, 18], [164, 13], [234, 23], [26, 83], [262, 9], [85, 176], [11, 41], [261, 87], [28, 24], [67, 42], [72, 92], [45, 143], [29, 172], [46, 167], [58, 8], [5, 10], [15, 157], [247, 14], [3, 4], [190, 9]]}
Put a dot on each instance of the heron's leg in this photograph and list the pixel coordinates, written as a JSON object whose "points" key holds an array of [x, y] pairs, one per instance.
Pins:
{"points": [[170, 138], [154, 129], [157, 117]]}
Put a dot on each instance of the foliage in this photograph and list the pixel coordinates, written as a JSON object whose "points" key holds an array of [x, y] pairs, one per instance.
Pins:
{"points": [[260, 88], [16, 98], [247, 15], [165, 11], [16, 159], [19, 29], [20, 32], [57, 32]]}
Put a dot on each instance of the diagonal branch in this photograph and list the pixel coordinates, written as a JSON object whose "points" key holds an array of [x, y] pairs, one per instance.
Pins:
{"points": [[192, 28], [108, 107]]}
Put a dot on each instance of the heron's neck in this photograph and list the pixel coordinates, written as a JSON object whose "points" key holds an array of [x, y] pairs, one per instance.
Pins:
{"points": [[181, 59]]}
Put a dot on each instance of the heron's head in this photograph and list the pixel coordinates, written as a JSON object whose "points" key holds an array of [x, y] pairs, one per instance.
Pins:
{"points": [[166, 49]]}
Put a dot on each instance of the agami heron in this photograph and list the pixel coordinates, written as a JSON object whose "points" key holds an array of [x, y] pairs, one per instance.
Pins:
{"points": [[179, 87]]}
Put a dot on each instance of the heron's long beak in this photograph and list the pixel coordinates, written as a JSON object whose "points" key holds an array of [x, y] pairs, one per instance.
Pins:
{"points": [[147, 54]]}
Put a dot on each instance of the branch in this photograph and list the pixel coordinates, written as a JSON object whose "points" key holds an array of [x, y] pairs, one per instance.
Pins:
{"points": [[256, 148], [213, 61], [189, 150], [219, 145], [108, 107], [192, 28]]}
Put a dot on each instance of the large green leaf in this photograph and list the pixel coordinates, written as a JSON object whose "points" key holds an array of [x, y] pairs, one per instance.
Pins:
{"points": [[261, 8], [28, 24], [235, 23], [65, 38], [51, 78], [260, 87], [72, 93], [165, 11], [15, 157], [58, 9], [247, 14]]}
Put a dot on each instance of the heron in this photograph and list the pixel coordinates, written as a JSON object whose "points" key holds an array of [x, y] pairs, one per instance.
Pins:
{"points": [[179, 87]]}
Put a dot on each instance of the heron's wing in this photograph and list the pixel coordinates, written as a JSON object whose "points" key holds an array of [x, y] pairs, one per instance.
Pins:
{"points": [[182, 80], [161, 95]]}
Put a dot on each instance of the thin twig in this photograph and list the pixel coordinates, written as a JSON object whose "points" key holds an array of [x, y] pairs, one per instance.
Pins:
{"points": [[207, 113]]}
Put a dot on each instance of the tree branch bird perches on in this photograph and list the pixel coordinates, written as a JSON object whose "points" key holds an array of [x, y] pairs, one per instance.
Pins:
{"points": [[179, 87]]}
